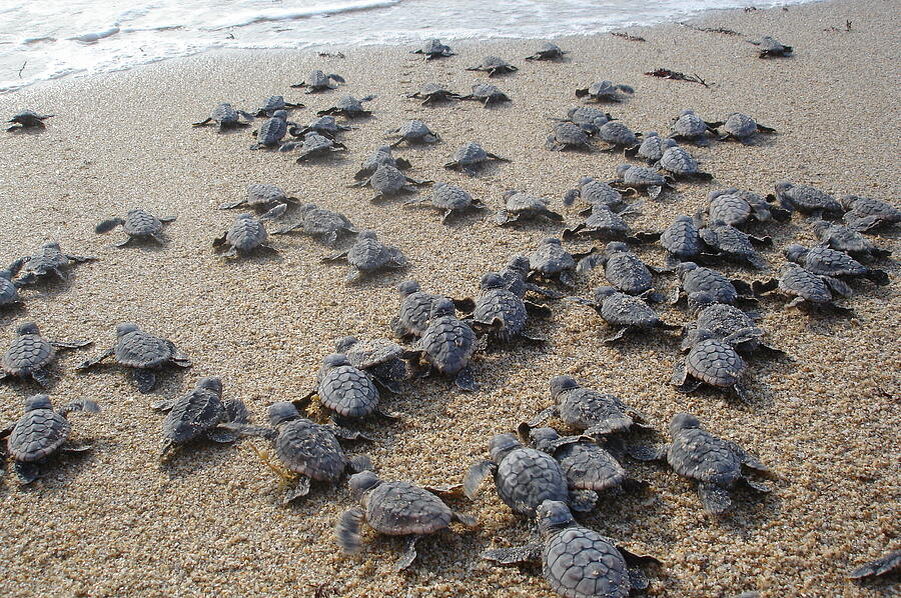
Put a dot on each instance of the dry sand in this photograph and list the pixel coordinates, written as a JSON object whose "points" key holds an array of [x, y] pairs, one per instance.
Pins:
{"points": [[118, 523]]}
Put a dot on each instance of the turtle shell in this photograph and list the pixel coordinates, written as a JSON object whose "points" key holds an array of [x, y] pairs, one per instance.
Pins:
{"points": [[805, 198], [348, 391], [678, 161], [715, 362], [472, 152], [416, 312], [224, 114], [603, 219], [450, 197], [699, 455], [138, 349], [589, 467], [689, 125], [639, 176], [586, 115], [262, 194], [27, 353], [570, 134], [740, 125], [681, 238], [723, 320], [414, 130], [501, 304], [617, 133], [705, 280], [310, 449], [728, 239], [37, 434], [627, 273], [580, 563], [321, 222], [582, 408], [868, 206], [367, 354], [484, 91], [49, 257], [139, 223], [193, 415], [599, 193], [550, 258], [621, 309], [653, 146], [246, 234], [368, 253], [8, 291], [387, 180], [400, 508], [527, 477], [798, 282], [272, 131], [729, 208], [448, 344], [829, 262], [526, 205]]}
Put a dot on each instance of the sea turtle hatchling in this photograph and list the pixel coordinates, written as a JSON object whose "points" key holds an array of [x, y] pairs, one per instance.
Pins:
{"points": [[388, 181], [576, 561], [262, 196], [9, 292], [274, 104], [272, 131], [652, 147], [323, 225], [199, 414], [716, 464], [742, 128], [48, 260], [639, 178], [617, 135], [624, 312], [447, 344], [143, 352], [848, 240], [413, 132], [682, 241], [247, 234], [433, 48], [486, 94], [523, 206], [712, 361], [590, 119], [728, 242], [568, 136], [347, 392], [604, 223], [317, 80], [726, 322], [380, 358], [770, 47], [883, 566], [225, 116], [494, 66], [434, 93], [690, 127], [470, 157], [415, 312], [28, 119], [501, 313], [596, 193], [805, 199], [30, 354], [382, 155], [624, 270], [138, 225], [368, 255], [604, 91], [326, 126], [866, 213], [396, 509], [547, 51], [551, 262], [735, 207], [698, 279], [681, 165], [40, 433], [314, 146], [524, 478], [349, 107], [824, 261], [449, 198], [809, 291]]}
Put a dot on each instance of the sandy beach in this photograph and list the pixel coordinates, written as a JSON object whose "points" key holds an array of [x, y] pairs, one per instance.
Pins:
{"points": [[209, 522]]}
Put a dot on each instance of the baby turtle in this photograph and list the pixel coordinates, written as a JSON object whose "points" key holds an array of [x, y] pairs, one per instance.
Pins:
{"points": [[470, 157], [199, 414], [451, 199], [596, 193], [274, 104], [576, 561], [433, 48], [388, 181], [742, 128], [735, 207], [624, 312], [247, 234], [380, 156], [501, 312], [349, 107], [883, 566], [415, 313], [414, 132], [323, 225], [28, 119], [551, 262], [697, 279], [369, 255], [681, 241], [824, 261], [144, 353], [138, 225], [604, 223], [30, 354], [652, 147], [729, 243], [49, 260], [345, 391], [326, 126], [604, 91], [434, 93], [624, 270], [319, 81], [809, 291], [225, 116], [638, 178], [617, 135], [272, 131], [447, 344], [380, 358], [524, 478], [716, 464], [681, 164], [865, 213], [769, 47], [567, 136], [548, 51], [494, 66], [711, 361], [805, 199], [690, 127], [40, 433], [260, 196], [589, 118], [395, 509], [314, 146], [9, 292], [726, 322], [487, 94], [845, 238], [522, 206]]}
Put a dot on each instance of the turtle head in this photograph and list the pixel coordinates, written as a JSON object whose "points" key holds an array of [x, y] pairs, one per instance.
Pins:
{"points": [[686, 112], [621, 169], [307, 207], [383, 149], [651, 134], [561, 384], [408, 287], [668, 143], [699, 300], [552, 515], [683, 218], [492, 280], [27, 328], [585, 180], [683, 421], [214, 384], [543, 438], [367, 234], [345, 343], [50, 245], [685, 267], [280, 114], [718, 192], [281, 412], [616, 247], [125, 328], [783, 187], [7, 274], [363, 482], [819, 227], [519, 263], [442, 307], [847, 201], [335, 360], [795, 252], [37, 402], [601, 293], [502, 445], [550, 241], [244, 216]]}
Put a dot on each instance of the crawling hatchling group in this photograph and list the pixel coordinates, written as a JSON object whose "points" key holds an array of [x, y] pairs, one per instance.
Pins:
{"points": [[546, 475]]}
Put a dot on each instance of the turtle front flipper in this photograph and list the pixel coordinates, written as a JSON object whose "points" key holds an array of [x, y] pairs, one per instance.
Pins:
{"points": [[85, 405], [144, 380], [63, 345], [582, 501], [108, 225], [409, 554], [465, 380], [27, 472], [757, 486], [884, 565], [715, 498], [92, 362], [616, 336], [231, 204], [348, 530], [645, 453], [475, 475], [124, 242], [300, 488], [42, 377], [464, 519], [530, 553], [682, 380], [202, 123], [542, 416], [164, 405]]}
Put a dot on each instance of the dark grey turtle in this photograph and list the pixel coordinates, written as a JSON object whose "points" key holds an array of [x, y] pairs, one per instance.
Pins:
{"points": [[809, 291], [728, 323], [727, 242], [446, 345], [380, 358], [369, 255], [144, 353], [624, 270], [326, 126], [272, 131], [881, 567], [349, 107], [314, 146], [138, 225], [225, 116], [805, 199], [434, 93], [604, 91], [515, 275], [604, 223], [41, 433], [261, 196], [568, 136], [415, 310], [470, 157], [275, 103], [576, 561], [596, 193], [449, 198], [548, 51], [487, 94], [742, 128], [697, 279], [590, 119], [522, 206], [551, 262], [9, 292], [845, 238], [681, 164], [624, 312], [433, 48], [824, 261], [639, 178], [617, 135], [247, 234], [49, 260], [323, 225], [381, 155], [690, 127], [28, 119], [524, 478], [494, 66], [319, 81], [866, 213], [769, 47], [396, 509], [388, 181], [413, 132], [652, 147], [681, 241], [501, 313], [736, 207], [712, 361], [716, 464], [345, 391], [30, 354], [198, 415]]}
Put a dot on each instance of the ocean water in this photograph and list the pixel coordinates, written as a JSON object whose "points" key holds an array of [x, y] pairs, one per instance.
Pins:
{"points": [[49, 39]]}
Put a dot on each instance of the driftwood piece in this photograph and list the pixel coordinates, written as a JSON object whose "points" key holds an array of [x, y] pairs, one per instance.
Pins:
{"points": [[677, 76]]}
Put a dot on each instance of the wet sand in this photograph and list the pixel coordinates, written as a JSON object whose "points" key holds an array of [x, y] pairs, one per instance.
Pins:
{"points": [[116, 522]]}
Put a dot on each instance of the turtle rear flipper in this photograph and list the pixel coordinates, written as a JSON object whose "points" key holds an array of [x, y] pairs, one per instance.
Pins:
{"points": [[465, 381], [646, 453], [89, 363], [530, 553], [27, 472], [890, 563], [838, 286], [475, 475], [144, 379], [85, 405], [715, 498], [42, 377], [300, 488], [348, 530], [582, 501], [755, 485], [878, 277], [409, 554]]}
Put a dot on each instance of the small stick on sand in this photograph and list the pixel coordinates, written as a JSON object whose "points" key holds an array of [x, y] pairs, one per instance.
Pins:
{"points": [[26, 62], [626, 36], [677, 76], [722, 30]]}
